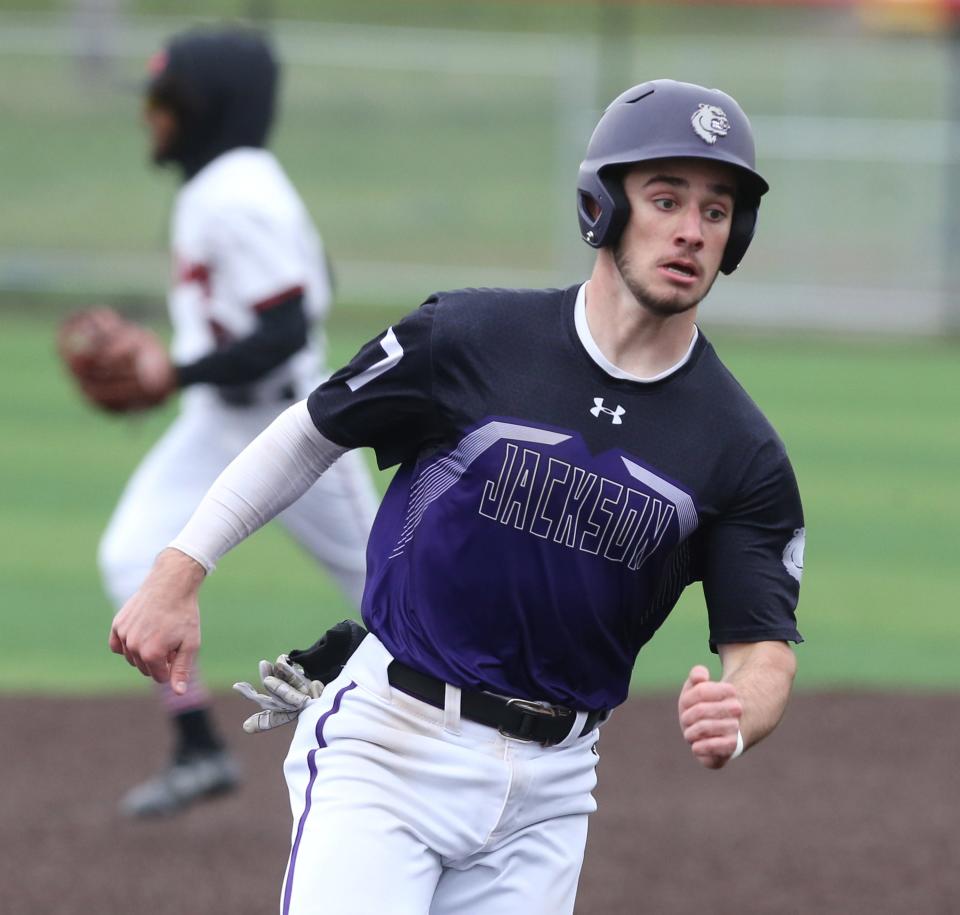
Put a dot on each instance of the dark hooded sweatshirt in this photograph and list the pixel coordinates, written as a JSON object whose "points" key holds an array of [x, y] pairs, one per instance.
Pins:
{"points": [[221, 86]]}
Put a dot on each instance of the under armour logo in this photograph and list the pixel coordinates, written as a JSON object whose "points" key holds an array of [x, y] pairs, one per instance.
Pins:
{"points": [[614, 415]]}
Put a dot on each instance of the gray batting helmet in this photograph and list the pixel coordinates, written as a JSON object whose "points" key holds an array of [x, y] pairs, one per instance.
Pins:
{"points": [[665, 119]]}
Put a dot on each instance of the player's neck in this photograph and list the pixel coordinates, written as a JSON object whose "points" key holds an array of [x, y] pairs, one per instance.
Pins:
{"points": [[635, 339]]}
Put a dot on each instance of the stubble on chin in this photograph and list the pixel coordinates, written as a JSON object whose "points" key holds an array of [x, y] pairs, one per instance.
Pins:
{"points": [[664, 306]]}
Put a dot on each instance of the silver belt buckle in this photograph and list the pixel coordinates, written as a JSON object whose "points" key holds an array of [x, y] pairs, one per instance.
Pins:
{"points": [[538, 710]]}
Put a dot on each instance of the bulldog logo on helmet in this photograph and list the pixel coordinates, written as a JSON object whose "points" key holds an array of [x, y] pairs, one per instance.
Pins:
{"points": [[709, 122]]}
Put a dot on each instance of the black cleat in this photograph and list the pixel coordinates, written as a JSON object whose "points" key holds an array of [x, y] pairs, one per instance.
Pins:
{"points": [[189, 779]]}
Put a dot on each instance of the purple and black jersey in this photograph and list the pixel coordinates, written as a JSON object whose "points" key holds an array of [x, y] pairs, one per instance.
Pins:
{"points": [[546, 514]]}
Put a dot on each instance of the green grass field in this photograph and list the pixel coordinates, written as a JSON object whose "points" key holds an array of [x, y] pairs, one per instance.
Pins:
{"points": [[872, 429], [463, 166]]}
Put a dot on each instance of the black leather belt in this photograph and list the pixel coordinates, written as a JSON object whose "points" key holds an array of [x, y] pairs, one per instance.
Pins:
{"points": [[517, 718]]}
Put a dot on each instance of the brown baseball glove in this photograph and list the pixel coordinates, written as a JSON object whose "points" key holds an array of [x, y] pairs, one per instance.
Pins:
{"points": [[117, 364]]}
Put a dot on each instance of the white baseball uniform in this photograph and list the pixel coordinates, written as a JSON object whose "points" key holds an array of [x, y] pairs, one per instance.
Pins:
{"points": [[242, 241]]}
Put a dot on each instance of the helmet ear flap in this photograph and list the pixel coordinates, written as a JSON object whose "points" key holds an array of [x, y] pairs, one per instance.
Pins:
{"points": [[742, 227], [602, 208]]}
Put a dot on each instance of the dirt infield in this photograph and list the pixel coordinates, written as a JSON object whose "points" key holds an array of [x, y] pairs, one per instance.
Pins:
{"points": [[852, 807]]}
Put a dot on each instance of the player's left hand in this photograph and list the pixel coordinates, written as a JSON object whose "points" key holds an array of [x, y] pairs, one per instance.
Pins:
{"points": [[709, 714], [287, 692]]}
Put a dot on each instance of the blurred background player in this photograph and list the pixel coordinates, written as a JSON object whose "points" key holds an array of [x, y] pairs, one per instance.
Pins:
{"points": [[249, 282]]}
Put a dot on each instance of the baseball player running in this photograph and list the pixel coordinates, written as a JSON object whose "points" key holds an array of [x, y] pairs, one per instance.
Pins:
{"points": [[249, 283], [569, 460]]}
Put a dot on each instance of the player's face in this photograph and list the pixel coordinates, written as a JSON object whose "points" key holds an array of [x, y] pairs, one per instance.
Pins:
{"points": [[161, 128], [670, 251]]}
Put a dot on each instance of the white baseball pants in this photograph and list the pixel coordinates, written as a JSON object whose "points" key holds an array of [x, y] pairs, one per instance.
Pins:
{"points": [[402, 808], [332, 521]]}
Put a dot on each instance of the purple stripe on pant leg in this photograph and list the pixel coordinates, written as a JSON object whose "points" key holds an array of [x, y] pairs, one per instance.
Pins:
{"points": [[312, 766]]}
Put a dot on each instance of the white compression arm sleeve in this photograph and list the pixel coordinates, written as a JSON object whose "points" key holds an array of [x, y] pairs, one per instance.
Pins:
{"points": [[271, 473]]}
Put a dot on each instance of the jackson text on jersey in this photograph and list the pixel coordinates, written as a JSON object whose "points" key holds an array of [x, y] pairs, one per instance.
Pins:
{"points": [[567, 546], [623, 518]]}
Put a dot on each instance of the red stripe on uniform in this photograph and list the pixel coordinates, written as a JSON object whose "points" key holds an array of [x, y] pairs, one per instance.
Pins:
{"points": [[194, 273], [279, 298]]}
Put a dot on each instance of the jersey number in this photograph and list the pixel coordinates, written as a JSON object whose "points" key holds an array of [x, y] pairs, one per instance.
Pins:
{"points": [[394, 351]]}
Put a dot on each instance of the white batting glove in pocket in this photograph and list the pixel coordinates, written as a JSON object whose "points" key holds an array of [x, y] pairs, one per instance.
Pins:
{"points": [[287, 692]]}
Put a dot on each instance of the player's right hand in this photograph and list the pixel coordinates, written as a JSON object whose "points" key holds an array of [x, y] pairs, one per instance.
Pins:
{"points": [[158, 629]]}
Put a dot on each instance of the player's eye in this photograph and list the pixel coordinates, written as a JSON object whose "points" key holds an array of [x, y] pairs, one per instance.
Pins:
{"points": [[665, 203], [715, 214]]}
